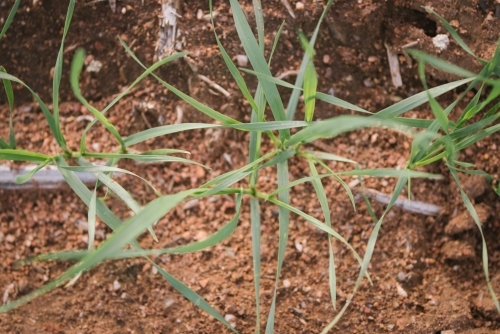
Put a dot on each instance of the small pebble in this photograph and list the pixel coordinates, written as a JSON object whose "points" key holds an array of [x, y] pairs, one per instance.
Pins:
{"points": [[199, 14], [94, 66], [242, 60], [203, 283], [231, 319], [287, 283], [190, 204], [326, 59], [200, 172], [116, 285], [441, 41], [169, 302], [299, 6], [299, 246], [401, 291]]}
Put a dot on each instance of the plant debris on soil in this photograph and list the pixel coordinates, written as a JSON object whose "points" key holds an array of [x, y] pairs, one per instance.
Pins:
{"points": [[426, 270]]}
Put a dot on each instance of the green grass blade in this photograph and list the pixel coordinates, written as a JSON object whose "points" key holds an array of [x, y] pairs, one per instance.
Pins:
{"points": [[439, 113], [222, 234], [116, 188], [339, 180], [334, 126], [3, 144], [475, 109], [143, 158], [46, 112], [81, 190], [109, 218], [10, 18], [245, 168], [320, 192], [432, 131], [340, 103], [474, 215], [477, 137], [212, 240], [387, 172], [453, 33], [124, 234], [381, 172], [76, 69], [413, 123], [226, 182], [419, 99], [294, 98], [259, 63], [281, 157], [139, 137], [320, 225], [457, 135], [22, 155], [275, 43], [472, 104], [259, 20], [269, 78], [231, 178], [368, 253], [165, 151], [256, 236], [284, 221], [104, 213], [20, 179], [306, 46], [58, 72], [10, 99], [329, 156], [256, 137], [194, 103], [420, 143], [192, 296], [464, 164], [310, 85], [89, 168], [369, 207], [373, 237], [440, 64], [92, 218], [269, 125], [257, 115], [147, 72], [231, 67]]}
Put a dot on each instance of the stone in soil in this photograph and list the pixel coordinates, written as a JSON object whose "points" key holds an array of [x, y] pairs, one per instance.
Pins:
{"points": [[458, 250], [464, 221]]}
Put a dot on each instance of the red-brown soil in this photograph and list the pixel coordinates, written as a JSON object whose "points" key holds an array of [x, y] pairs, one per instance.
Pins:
{"points": [[427, 271]]}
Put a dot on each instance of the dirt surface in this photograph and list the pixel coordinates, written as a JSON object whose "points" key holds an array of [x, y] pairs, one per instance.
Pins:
{"points": [[427, 271]]}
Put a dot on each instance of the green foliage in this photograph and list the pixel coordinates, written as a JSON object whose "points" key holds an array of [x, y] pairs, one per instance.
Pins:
{"points": [[438, 139]]}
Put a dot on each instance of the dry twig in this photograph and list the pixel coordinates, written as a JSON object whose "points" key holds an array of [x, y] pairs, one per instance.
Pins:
{"points": [[214, 85]]}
